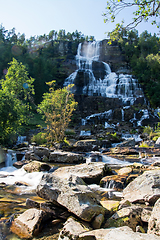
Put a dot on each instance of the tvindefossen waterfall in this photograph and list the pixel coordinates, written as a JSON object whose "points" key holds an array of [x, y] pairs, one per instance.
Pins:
{"points": [[95, 78]]}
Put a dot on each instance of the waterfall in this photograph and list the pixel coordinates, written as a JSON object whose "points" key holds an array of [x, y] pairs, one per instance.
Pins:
{"points": [[144, 116], [94, 77], [122, 111], [10, 158]]}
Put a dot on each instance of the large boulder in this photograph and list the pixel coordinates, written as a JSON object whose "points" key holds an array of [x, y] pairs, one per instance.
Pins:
{"points": [[65, 157], [89, 172], [145, 188], [154, 221], [29, 223], [72, 193]]}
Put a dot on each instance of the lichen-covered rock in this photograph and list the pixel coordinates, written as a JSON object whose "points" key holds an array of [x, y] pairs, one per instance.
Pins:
{"points": [[29, 223], [72, 193], [128, 216]]}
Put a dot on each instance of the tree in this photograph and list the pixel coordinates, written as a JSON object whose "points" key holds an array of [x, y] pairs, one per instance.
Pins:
{"points": [[57, 107], [16, 82], [144, 10], [16, 90]]}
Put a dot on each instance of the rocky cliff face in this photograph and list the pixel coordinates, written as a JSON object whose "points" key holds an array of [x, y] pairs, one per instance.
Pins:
{"points": [[102, 84]]}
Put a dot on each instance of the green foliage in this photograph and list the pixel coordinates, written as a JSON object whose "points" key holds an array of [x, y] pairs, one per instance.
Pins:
{"points": [[148, 130], [16, 82], [143, 10], [57, 107], [144, 145], [39, 138], [14, 106]]}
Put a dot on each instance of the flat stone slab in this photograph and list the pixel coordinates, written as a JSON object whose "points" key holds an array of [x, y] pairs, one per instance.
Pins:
{"points": [[89, 172], [65, 157]]}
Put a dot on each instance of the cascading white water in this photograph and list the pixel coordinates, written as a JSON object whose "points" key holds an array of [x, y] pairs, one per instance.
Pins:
{"points": [[10, 158], [95, 77]]}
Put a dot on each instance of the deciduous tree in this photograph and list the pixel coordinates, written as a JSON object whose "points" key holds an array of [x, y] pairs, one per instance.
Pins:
{"points": [[16, 90], [143, 10], [57, 107]]}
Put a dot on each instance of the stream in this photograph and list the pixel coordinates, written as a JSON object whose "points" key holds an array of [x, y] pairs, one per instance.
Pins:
{"points": [[16, 185]]}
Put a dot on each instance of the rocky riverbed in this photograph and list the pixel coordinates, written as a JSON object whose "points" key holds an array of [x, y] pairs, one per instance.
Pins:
{"points": [[87, 190]]}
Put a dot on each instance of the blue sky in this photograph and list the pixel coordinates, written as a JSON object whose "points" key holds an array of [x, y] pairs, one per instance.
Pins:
{"points": [[38, 17]]}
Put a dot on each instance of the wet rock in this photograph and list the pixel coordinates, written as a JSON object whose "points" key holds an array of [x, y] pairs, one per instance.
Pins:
{"points": [[29, 223], [89, 172], [72, 229], [145, 188], [154, 221], [36, 166], [72, 193], [20, 164], [65, 157], [32, 204], [114, 182]]}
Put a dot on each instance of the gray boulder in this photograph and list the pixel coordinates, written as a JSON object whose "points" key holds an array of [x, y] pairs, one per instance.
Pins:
{"points": [[145, 188], [89, 172], [65, 157], [72, 193]]}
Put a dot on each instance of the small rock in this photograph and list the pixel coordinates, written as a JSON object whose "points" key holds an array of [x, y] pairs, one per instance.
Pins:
{"points": [[97, 222]]}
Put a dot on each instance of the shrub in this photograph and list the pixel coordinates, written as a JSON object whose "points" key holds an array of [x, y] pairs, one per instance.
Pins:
{"points": [[39, 138]]}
